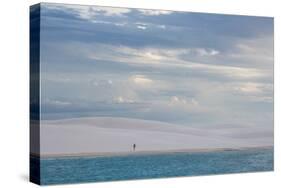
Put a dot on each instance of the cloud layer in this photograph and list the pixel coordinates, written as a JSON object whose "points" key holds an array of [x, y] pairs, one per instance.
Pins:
{"points": [[185, 68]]}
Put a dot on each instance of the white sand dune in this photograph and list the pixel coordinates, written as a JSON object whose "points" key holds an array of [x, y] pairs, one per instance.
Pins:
{"points": [[109, 135]]}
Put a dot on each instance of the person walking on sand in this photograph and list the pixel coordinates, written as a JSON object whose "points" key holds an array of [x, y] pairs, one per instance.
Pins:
{"points": [[134, 147]]}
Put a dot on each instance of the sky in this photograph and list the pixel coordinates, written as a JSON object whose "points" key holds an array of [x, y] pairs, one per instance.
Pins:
{"points": [[184, 68]]}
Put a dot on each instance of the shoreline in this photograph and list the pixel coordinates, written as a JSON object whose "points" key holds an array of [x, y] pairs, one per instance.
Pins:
{"points": [[114, 136], [139, 153]]}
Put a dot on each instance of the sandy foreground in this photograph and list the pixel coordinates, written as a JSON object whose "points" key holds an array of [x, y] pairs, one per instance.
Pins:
{"points": [[104, 136]]}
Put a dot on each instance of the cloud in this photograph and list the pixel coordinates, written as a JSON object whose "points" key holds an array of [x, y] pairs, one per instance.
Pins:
{"points": [[121, 100], [56, 102], [141, 27], [205, 52], [161, 26], [147, 12], [89, 12], [172, 58], [118, 24], [152, 55], [184, 68], [183, 101], [109, 82], [102, 82], [141, 80], [188, 105], [257, 52], [111, 11], [250, 88], [256, 92]]}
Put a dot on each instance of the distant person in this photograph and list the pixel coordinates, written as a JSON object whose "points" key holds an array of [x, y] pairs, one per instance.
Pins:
{"points": [[134, 147]]}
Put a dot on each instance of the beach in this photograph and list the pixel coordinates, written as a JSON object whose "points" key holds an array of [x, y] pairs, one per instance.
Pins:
{"points": [[108, 136]]}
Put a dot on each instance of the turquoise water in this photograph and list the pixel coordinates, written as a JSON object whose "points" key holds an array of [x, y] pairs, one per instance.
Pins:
{"points": [[86, 169]]}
